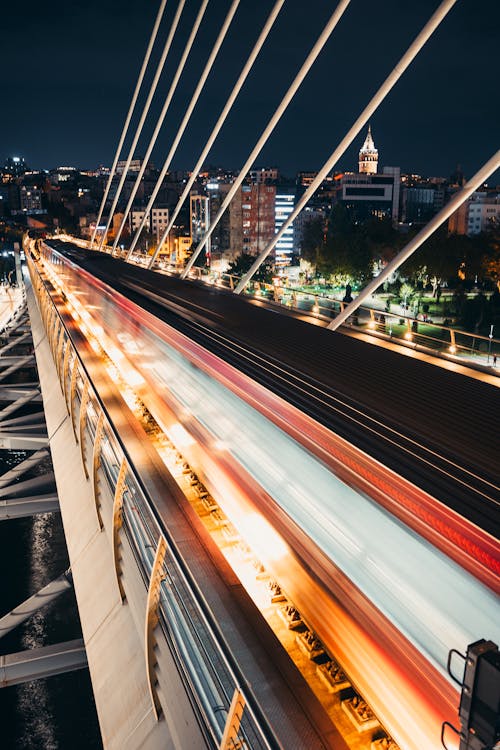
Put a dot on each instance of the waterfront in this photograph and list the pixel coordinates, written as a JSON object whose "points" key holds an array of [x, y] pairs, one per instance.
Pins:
{"points": [[57, 713]]}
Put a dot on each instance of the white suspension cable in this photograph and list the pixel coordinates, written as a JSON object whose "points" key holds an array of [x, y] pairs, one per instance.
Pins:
{"points": [[160, 121], [186, 118], [491, 166], [145, 111], [325, 35], [388, 84], [220, 122], [129, 115]]}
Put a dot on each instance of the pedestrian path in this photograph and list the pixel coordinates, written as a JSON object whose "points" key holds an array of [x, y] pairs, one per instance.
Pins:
{"points": [[430, 332]]}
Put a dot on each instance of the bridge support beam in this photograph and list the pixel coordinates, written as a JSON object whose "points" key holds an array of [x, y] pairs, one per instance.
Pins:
{"points": [[28, 608], [18, 340], [27, 359], [20, 362], [46, 661], [24, 399], [21, 442], [13, 392], [21, 507], [13, 474]]}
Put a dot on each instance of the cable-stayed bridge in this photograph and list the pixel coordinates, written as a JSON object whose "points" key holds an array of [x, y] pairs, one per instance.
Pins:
{"points": [[277, 533]]}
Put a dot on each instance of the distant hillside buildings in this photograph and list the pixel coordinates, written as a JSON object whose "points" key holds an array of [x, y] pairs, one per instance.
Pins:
{"points": [[69, 198]]}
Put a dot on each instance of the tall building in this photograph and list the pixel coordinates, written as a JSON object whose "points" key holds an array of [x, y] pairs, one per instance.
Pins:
{"points": [[368, 155], [31, 200], [156, 223], [220, 240], [367, 193], [199, 220], [284, 205], [480, 213], [199, 216], [257, 217]]}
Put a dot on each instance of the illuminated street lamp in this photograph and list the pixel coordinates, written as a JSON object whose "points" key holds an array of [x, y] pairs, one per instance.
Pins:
{"points": [[490, 336]]}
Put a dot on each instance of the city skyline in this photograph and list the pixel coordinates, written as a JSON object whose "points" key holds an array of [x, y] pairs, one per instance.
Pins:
{"points": [[72, 111]]}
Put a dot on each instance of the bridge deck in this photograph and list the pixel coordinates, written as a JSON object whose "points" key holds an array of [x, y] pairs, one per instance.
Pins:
{"points": [[432, 424]]}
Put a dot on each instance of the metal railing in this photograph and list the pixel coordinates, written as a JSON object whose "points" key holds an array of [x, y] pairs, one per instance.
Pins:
{"points": [[397, 325], [208, 671]]}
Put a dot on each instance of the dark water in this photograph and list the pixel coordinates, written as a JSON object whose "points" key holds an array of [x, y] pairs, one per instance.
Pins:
{"points": [[57, 713]]}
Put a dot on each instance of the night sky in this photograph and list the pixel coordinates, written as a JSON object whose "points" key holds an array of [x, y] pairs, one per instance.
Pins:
{"points": [[69, 70]]}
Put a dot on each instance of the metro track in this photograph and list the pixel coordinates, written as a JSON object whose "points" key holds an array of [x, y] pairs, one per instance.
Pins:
{"points": [[455, 468]]}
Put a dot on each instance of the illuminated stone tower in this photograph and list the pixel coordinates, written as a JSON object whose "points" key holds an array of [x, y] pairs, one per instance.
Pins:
{"points": [[368, 155]]}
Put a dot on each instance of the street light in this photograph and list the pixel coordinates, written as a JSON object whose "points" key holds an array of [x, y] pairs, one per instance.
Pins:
{"points": [[490, 336]]}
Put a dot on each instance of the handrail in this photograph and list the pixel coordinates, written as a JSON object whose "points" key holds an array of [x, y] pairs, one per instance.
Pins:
{"points": [[444, 343], [144, 538]]}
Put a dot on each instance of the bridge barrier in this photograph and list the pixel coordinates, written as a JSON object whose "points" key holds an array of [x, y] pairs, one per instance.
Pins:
{"points": [[175, 615], [410, 330], [295, 466]]}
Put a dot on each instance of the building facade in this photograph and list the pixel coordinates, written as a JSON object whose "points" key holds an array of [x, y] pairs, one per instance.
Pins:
{"points": [[199, 216], [31, 200], [481, 213], [369, 195], [134, 166], [156, 223], [257, 217], [199, 221], [283, 207], [265, 175]]}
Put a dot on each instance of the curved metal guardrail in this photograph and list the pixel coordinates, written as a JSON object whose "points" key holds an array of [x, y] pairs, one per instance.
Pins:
{"points": [[192, 382], [442, 340], [226, 711]]}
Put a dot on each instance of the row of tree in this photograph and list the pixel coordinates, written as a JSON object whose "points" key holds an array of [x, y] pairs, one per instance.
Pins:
{"points": [[346, 251]]}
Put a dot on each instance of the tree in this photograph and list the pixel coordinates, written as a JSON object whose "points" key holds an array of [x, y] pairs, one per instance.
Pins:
{"points": [[474, 313], [385, 241], [347, 253], [242, 263], [340, 223], [490, 260], [313, 240]]}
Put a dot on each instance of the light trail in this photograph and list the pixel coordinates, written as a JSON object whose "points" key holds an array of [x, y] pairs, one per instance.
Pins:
{"points": [[444, 528], [324, 399], [392, 606]]}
